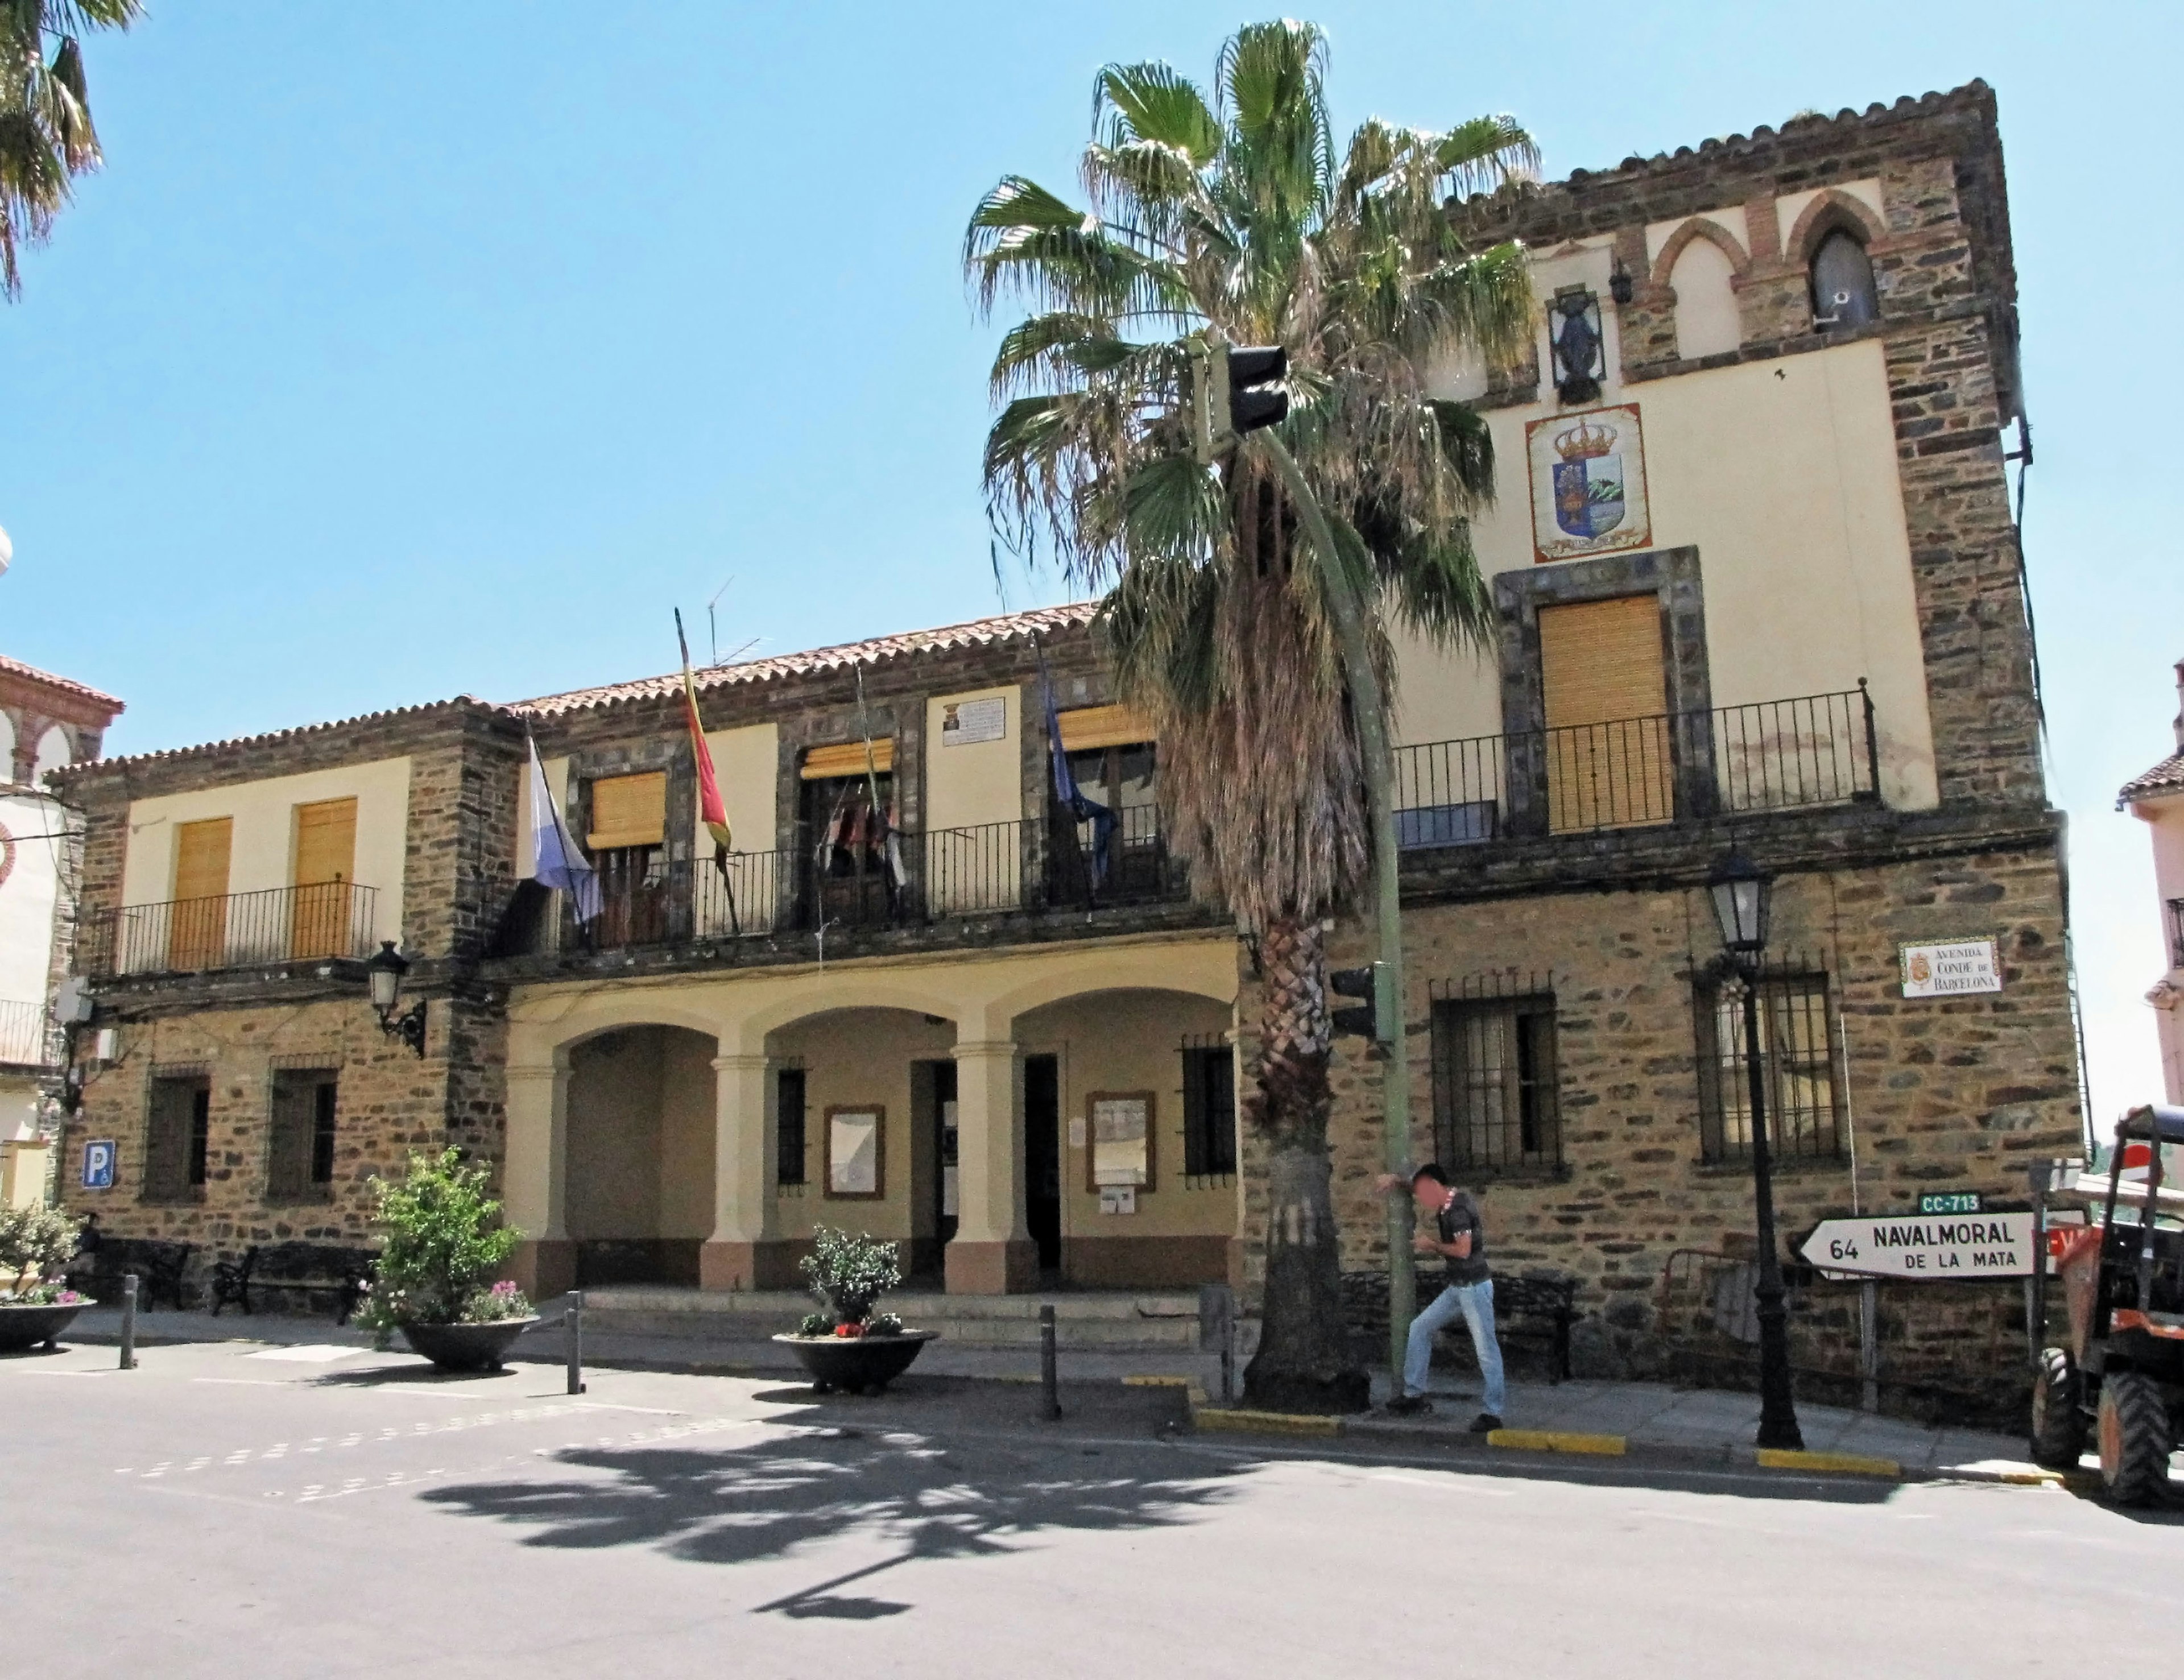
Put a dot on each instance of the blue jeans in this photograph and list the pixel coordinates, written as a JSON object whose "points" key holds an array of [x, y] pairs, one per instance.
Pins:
{"points": [[1475, 1301]]}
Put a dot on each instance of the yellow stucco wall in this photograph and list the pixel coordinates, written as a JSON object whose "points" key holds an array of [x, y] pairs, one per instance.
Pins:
{"points": [[744, 761], [979, 782], [1783, 474], [1130, 1041], [262, 851]]}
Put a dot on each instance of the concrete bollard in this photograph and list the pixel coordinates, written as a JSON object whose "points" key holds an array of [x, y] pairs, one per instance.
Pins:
{"points": [[573, 1321], [129, 1322]]}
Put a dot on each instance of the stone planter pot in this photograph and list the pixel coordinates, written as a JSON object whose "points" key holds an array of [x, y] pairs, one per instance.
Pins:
{"points": [[467, 1347], [857, 1364], [32, 1326]]}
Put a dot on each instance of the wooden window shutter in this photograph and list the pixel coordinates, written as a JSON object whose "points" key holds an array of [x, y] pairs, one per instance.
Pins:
{"points": [[201, 855], [325, 842], [628, 810], [1600, 661], [846, 758], [1090, 726], [1604, 679]]}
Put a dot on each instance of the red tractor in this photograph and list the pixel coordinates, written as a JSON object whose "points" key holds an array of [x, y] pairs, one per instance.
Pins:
{"points": [[2122, 1374]]}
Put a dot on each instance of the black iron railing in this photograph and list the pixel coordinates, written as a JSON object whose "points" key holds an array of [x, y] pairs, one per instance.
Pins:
{"points": [[2177, 932], [236, 930], [1817, 749], [25, 1035], [988, 869]]}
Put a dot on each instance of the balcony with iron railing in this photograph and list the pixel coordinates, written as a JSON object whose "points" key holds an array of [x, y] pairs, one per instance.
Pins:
{"points": [[1777, 756], [910, 881], [26, 1035], [235, 929]]}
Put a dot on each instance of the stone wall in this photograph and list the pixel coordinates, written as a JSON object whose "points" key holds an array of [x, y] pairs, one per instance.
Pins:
{"points": [[1961, 1094], [390, 1103]]}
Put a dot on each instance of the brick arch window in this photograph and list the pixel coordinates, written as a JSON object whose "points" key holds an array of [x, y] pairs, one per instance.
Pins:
{"points": [[1840, 277]]}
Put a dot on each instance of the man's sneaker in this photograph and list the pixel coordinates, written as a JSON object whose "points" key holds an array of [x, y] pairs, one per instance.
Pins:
{"points": [[1410, 1406], [1485, 1423]]}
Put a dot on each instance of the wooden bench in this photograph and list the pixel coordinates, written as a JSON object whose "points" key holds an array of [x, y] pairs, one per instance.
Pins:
{"points": [[159, 1267], [306, 1268]]}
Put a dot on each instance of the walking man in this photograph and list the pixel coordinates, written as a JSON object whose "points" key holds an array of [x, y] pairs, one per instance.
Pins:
{"points": [[1450, 1226]]}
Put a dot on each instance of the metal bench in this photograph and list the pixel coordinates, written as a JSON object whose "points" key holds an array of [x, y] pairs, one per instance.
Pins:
{"points": [[159, 1267], [306, 1268]]}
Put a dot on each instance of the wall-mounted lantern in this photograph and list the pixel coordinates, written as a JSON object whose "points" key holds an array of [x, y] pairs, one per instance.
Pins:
{"points": [[1619, 284], [1574, 333], [385, 973]]}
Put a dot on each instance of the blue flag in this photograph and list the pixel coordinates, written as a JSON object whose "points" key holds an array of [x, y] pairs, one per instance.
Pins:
{"points": [[1066, 793], [555, 860]]}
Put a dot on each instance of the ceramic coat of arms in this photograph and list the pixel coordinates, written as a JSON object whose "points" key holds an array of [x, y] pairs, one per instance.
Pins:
{"points": [[1588, 483]]}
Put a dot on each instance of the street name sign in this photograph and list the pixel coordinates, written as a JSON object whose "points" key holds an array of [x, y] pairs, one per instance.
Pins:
{"points": [[1950, 969], [1932, 1248]]}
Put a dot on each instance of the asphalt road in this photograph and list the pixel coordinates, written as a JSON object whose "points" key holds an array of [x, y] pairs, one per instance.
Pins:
{"points": [[233, 1512]]}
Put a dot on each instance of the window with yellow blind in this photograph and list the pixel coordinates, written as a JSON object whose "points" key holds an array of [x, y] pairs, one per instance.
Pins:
{"points": [[324, 875], [628, 810], [846, 758], [1603, 676], [196, 929]]}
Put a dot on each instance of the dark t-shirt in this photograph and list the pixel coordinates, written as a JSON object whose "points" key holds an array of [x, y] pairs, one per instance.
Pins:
{"points": [[1460, 1216]]}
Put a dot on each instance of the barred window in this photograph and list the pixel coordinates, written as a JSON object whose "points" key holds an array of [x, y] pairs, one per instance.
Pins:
{"points": [[299, 1165], [1496, 1101], [1209, 1108], [789, 1138], [177, 1135], [1796, 1065]]}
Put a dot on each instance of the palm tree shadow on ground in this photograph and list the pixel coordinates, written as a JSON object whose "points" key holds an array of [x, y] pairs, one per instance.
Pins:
{"points": [[764, 1500]]}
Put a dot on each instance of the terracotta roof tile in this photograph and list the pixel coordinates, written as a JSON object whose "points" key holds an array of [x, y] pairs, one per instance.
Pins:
{"points": [[169, 754], [979, 632], [2166, 777], [67, 685]]}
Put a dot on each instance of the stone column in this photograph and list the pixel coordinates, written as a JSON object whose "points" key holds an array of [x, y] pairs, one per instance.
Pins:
{"points": [[992, 1253], [535, 1181], [745, 1250]]}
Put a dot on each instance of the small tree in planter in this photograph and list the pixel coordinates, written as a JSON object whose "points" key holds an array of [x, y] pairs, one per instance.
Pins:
{"points": [[443, 1241], [847, 1347], [36, 1303]]}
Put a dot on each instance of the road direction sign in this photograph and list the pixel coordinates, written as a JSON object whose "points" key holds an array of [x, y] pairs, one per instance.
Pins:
{"points": [[1930, 1248]]}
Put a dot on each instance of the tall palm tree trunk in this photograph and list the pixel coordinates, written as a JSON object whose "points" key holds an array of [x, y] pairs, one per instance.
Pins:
{"points": [[1304, 1363]]}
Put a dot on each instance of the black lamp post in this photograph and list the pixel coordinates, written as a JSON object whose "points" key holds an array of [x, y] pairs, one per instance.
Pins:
{"points": [[385, 973], [1742, 899]]}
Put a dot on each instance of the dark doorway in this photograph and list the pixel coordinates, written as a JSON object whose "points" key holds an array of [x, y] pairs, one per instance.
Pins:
{"points": [[1043, 1157], [943, 1141]]}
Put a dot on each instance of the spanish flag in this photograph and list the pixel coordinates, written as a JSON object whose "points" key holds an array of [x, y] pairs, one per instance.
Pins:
{"points": [[711, 811]]}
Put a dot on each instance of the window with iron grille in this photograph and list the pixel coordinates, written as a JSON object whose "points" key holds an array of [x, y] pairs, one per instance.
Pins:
{"points": [[789, 1138], [299, 1162], [1496, 1101], [177, 1135], [1209, 1108], [2177, 932], [1796, 1065]]}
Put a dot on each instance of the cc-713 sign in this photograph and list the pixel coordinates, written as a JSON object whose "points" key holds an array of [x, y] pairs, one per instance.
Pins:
{"points": [[1942, 1249]]}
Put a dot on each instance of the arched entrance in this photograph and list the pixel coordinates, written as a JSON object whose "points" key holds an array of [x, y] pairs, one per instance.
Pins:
{"points": [[640, 1143]]}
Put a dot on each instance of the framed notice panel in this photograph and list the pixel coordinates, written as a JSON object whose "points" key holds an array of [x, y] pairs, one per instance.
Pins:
{"points": [[1121, 1151], [856, 1158]]}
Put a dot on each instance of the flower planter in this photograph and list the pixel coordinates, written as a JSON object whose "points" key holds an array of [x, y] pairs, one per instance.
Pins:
{"points": [[857, 1364], [31, 1326], [467, 1347]]}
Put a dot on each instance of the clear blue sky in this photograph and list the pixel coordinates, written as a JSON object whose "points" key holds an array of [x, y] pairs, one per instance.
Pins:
{"points": [[406, 350]]}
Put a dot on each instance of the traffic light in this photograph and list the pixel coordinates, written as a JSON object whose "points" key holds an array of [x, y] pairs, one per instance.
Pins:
{"points": [[1251, 403], [1376, 1017]]}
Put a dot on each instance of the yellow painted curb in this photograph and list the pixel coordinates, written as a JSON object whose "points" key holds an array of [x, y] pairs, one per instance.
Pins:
{"points": [[1556, 1441], [1834, 1464], [1266, 1423], [1157, 1382]]}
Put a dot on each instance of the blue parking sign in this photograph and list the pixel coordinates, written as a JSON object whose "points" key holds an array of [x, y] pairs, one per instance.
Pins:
{"points": [[98, 1164]]}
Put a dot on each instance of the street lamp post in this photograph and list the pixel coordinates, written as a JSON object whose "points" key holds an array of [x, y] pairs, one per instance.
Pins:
{"points": [[1742, 898]]}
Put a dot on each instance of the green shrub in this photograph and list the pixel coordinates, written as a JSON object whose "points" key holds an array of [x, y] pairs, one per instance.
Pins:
{"points": [[850, 1273], [443, 1242], [36, 1239], [814, 1324]]}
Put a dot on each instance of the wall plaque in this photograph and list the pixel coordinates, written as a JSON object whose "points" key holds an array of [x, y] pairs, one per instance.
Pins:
{"points": [[964, 723], [1588, 483], [1957, 969]]}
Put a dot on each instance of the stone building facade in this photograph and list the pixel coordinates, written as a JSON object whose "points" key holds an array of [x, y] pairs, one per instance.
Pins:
{"points": [[1756, 583]]}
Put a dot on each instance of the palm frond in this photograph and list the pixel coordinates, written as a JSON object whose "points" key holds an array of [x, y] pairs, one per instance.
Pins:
{"points": [[1154, 102]]}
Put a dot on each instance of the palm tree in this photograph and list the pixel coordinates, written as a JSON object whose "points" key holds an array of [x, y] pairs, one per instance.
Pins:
{"points": [[46, 136], [1235, 223]]}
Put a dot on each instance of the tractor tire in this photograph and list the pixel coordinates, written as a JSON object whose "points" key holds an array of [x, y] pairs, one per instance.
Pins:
{"points": [[2058, 1417], [2135, 1439]]}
